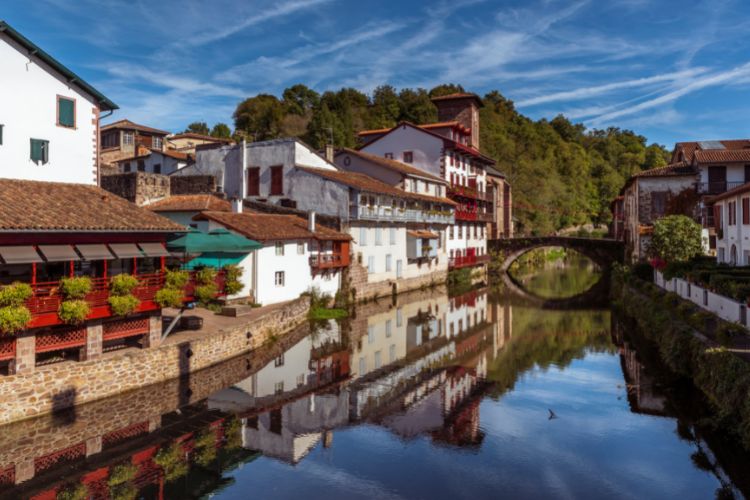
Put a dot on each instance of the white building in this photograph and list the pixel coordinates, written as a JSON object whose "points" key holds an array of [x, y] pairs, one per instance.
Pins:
{"points": [[448, 150], [297, 255], [49, 116], [155, 161], [731, 218]]}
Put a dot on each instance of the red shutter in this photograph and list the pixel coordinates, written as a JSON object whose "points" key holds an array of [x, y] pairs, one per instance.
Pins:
{"points": [[746, 210], [717, 217], [253, 181], [277, 180]]}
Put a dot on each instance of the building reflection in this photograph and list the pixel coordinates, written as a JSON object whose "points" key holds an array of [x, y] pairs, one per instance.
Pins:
{"points": [[416, 367]]}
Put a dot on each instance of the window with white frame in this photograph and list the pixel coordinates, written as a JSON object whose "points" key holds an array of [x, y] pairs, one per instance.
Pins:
{"points": [[378, 235], [362, 365], [388, 263], [387, 328], [279, 248], [392, 235], [378, 362], [300, 248], [363, 236], [399, 317], [279, 278], [370, 334], [278, 387], [127, 138], [371, 264], [392, 353], [156, 142], [300, 380]]}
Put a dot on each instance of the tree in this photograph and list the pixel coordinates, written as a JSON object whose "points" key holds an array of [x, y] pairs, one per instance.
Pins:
{"points": [[416, 106], [676, 238], [260, 117], [300, 100], [197, 128], [221, 130], [446, 89]]}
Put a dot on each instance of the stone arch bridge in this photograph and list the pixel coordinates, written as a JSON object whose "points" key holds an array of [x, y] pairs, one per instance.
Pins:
{"points": [[604, 252]]}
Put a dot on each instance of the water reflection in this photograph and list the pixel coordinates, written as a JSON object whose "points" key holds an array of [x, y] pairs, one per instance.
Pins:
{"points": [[429, 396], [570, 275]]}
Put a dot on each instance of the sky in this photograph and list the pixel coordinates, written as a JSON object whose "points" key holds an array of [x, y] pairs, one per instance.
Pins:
{"points": [[669, 70]]}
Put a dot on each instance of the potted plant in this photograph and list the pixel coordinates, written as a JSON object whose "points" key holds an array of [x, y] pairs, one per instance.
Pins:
{"points": [[74, 309], [121, 299], [14, 315]]}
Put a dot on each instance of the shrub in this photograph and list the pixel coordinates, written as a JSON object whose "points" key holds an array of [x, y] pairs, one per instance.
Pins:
{"points": [[169, 297], [122, 284], [232, 283], [13, 319], [73, 492], [75, 288], [206, 293], [122, 473], [206, 276], [644, 271], [177, 279], [122, 305], [727, 332], [15, 294], [676, 238], [172, 461], [73, 312]]}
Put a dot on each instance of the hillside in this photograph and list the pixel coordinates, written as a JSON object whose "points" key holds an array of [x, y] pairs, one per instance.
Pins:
{"points": [[562, 174]]}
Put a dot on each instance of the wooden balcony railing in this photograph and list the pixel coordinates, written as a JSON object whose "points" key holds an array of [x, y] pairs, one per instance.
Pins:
{"points": [[716, 187], [467, 261], [472, 215], [328, 261], [470, 191]]}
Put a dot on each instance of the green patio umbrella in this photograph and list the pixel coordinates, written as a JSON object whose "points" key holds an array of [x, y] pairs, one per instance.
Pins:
{"points": [[218, 240]]}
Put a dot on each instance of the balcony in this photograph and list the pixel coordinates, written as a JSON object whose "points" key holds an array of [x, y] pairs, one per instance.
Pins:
{"points": [[323, 261], [467, 261], [45, 302], [470, 191], [470, 215], [716, 187], [388, 214]]}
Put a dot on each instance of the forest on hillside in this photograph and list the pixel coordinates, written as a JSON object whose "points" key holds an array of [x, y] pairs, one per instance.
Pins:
{"points": [[562, 174]]}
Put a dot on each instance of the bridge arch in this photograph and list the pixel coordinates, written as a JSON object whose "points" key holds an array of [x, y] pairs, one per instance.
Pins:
{"points": [[603, 252]]}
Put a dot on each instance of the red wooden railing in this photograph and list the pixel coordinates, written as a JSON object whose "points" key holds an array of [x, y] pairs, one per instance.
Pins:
{"points": [[328, 260], [7, 347], [469, 191], [467, 260]]}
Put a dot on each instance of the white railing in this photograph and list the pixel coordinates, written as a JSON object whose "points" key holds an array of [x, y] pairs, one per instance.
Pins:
{"points": [[380, 213]]}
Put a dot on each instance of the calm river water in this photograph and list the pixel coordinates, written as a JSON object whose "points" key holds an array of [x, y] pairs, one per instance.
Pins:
{"points": [[473, 396]]}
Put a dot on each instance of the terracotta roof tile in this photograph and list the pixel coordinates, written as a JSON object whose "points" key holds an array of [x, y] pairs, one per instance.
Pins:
{"points": [[193, 135], [265, 227], [459, 95], [722, 155], [190, 203], [690, 148], [128, 125], [57, 206], [177, 155], [675, 169], [392, 164], [366, 183]]}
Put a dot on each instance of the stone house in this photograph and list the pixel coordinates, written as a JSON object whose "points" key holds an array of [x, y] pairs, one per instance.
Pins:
{"points": [[123, 139], [188, 142]]}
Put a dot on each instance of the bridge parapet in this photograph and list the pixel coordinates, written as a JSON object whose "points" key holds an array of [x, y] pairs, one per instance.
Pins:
{"points": [[603, 251]]}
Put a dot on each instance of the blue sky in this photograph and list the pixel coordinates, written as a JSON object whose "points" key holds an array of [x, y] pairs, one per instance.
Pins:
{"points": [[669, 70]]}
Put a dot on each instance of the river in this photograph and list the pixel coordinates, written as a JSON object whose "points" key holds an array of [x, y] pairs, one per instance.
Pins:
{"points": [[431, 396]]}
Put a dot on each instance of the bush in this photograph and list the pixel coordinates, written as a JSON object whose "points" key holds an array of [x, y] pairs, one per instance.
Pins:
{"points": [[14, 319], [172, 461], [676, 238], [122, 284], [15, 294], [644, 271], [206, 276], [123, 473], [232, 283], [75, 288], [122, 305], [73, 492], [177, 279], [73, 312], [727, 332], [169, 297], [206, 293]]}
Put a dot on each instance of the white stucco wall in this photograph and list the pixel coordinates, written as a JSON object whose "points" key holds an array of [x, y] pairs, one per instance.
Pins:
{"points": [[426, 148], [736, 235], [28, 109], [168, 164]]}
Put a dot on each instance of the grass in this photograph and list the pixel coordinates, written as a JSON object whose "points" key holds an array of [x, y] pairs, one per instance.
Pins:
{"points": [[323, 313]]}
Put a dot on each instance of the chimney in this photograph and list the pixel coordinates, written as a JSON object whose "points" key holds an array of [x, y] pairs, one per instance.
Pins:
{"points": [[329, 153], [311, 221]]}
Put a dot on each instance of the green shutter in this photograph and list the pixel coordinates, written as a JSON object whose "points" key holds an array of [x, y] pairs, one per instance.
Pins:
{"points": [[39, 151], [66, 115], [1, 134]]}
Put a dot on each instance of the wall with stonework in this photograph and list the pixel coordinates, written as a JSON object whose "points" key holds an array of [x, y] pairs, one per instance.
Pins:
{"points": [[356, 280], [62, 385], [192, 184], [138, 187]]}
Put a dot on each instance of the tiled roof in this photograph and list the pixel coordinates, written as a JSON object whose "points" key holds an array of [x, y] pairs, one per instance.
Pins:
{"points": [[374, 131], [177, 155], [459, 95], [190, 203], [722, 155], [675, 169], [128, 125], [193, 135], [265, 227], [690, 148], [427, 126], [366, 183], [392, 164], [57, 206]]}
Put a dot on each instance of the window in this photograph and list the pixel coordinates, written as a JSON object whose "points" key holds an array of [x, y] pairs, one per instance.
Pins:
{"points": [[278, 387], [389, 156], [127, 138], [747, 167], [388, 263], [362, 365], [156, 142], [399, 317], [363, 236], [279, 278], [745, 210], [277, 180], [450, 232], [732, 215], [111, 140], [658, 204], [279, 361], [371, 264], [253, 181], [39, 151], [1, 134], [66, 112], [388, 328], [721, 255], [392, 235], [392, 353], [141, 165], [370, 334], [408, 157], [300, 380], [378, 362], [300, 248], [378, 235], [460, 231], [157, 168], [279, 248]]}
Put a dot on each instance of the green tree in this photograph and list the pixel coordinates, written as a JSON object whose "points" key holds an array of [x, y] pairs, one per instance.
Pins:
{"points": [[416, 106], [300, 100], [259, 117], [676, 238], [197, 128], [221, 130], [445, 89], [386, 107]]}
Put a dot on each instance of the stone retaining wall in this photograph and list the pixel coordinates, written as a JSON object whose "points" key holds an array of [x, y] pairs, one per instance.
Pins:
{"points": [[357, 282], [55, 387]]}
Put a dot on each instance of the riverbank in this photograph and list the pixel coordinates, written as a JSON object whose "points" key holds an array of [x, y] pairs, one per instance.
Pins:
{"points": [[689, 344], [56, 387]]}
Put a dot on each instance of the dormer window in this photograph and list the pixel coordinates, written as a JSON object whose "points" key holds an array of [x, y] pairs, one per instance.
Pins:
{"points": [[66, 112]]}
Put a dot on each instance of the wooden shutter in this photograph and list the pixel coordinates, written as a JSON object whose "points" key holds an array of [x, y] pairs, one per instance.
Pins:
{"points": [[717, 217], [66, 112], [746, 210], [277, 180], [253, 181], [39, 151]]}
